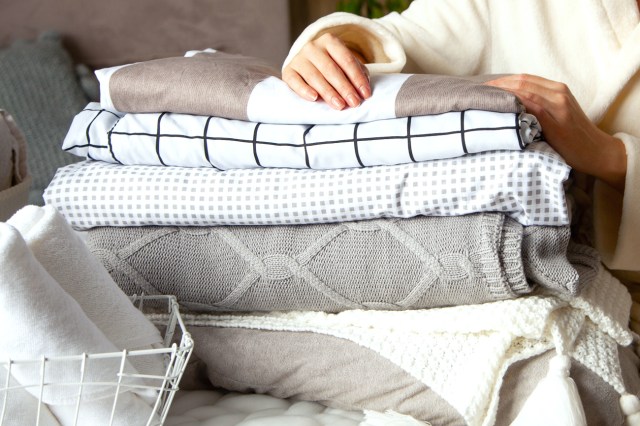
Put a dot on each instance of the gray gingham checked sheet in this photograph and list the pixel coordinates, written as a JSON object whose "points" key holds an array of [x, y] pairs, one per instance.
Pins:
{"points": [[526, 185]]}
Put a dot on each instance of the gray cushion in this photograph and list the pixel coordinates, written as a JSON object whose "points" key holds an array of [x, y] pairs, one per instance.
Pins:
{"points": [[39, 87]]}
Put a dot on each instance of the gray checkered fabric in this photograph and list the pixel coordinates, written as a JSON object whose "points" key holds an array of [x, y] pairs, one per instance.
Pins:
{"points": [[526, 185]]}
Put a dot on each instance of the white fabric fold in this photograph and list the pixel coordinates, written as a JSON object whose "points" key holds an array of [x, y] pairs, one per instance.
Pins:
{"points": [[40, 318], [130, 410], [21, 407], [59, 249]]}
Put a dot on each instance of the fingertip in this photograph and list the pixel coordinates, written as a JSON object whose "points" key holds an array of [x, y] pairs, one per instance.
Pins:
{"points": [[493, 83], [310, 95], [337, 103], [365, 91]]}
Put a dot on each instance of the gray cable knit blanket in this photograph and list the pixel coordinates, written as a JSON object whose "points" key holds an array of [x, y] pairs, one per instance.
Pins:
{"points": [[389, 264]]}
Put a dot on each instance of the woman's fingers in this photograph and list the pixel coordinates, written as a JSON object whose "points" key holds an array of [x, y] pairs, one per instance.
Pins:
{"points": [[352, 65], [527, 81], [325, 67], [537, 92], [567, 128], [317, 81], [298, 85]]}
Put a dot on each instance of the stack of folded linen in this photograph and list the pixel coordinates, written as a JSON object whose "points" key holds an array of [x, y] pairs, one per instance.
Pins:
{"points": [[435, 198]]}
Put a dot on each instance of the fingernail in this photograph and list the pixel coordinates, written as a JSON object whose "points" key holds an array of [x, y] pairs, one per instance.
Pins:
{"points": [[353, 101], [311, 95], [337, 102], [365, 91]]}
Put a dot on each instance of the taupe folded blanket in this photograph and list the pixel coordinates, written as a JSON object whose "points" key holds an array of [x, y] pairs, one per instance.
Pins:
{"points": [[390, 264], [212, 83]]}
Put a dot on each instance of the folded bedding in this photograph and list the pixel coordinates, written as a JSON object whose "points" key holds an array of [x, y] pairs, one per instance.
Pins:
{"points": [[212, 109], [213, 83], [474, 364], [526, 185], [206, 141], [387, 264]]}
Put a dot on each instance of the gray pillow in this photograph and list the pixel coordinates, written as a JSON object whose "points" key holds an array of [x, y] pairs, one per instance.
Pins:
{"points": [[39, 87]]}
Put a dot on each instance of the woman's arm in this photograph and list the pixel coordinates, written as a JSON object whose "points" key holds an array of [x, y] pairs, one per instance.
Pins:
{"points": [[438, 36]]}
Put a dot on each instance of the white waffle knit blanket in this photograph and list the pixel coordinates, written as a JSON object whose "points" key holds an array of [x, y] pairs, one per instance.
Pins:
{"points": [[463, 352]]}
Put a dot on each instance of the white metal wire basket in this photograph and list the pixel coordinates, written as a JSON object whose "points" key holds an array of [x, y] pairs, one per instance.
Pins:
{"points": [[176, 350]]}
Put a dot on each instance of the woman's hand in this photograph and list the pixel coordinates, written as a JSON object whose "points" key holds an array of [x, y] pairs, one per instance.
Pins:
{"points": [[567, 128], [325, 67]]}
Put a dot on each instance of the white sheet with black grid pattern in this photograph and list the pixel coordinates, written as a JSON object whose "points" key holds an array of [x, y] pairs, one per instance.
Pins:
{"points": [[527, 185], [199, 141]]}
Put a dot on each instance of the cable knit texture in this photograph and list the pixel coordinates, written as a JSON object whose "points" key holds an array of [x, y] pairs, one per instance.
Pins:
{"points": [[391, 264]]}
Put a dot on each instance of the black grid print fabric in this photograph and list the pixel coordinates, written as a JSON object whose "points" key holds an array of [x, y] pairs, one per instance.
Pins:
{"points": [[199, 141]]}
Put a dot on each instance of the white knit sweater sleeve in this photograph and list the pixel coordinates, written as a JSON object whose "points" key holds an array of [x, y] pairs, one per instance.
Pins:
{"points": [[427, 37], [616, 218]]}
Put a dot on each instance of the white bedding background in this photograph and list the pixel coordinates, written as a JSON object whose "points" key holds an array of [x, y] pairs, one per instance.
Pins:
{"points": [[216, 408]]}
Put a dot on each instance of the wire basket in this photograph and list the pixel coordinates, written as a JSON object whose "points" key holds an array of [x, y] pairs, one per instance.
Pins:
{"points": [[159, 389]]}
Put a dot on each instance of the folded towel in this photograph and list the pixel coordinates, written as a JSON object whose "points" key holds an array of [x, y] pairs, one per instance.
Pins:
{"points": [[59, 249], [199, 141], [41, 319], [21, 407], [527, 185], [244, 88], [130, 410], [387, 264]]}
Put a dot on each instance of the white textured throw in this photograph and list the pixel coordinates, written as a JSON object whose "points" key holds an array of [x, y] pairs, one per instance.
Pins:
{"points": [[526, 185], [21, 407], [172, 139], [463, 352], [39, 318], [63, 254]]}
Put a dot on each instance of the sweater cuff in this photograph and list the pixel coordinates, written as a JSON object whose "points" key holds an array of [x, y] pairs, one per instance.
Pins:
{"points": [[616, 218], [378, 45]]}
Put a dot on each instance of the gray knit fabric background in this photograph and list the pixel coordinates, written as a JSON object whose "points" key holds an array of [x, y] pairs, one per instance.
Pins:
{"points": [[421, 262], [40, 88]]}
